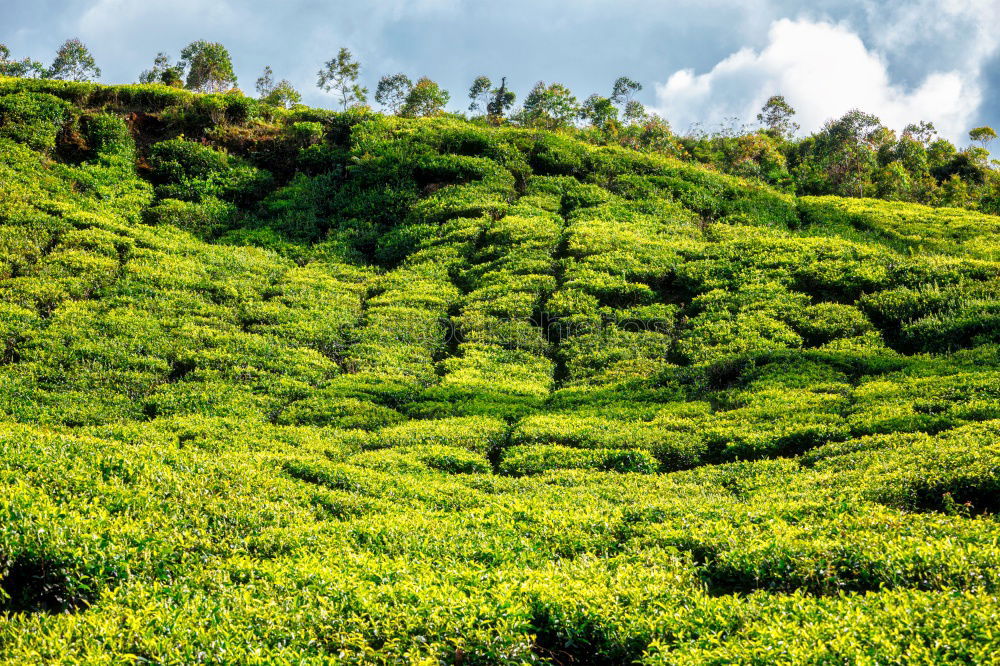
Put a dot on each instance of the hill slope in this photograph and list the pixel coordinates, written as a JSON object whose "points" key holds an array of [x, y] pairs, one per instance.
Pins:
{"points": [[303, 386]]}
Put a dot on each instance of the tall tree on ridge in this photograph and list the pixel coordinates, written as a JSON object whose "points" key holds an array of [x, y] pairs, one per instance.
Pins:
{"points": [[776, 117], [548, 106], [281, 94], [73, 62], [163, 72], [340, 74], [392, 91], [426, 98], [983, 135], [494, 101], [209, 67]]}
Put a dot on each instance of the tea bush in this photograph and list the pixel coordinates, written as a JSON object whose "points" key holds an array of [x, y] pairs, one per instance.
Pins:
{"points": [[298, 386]]}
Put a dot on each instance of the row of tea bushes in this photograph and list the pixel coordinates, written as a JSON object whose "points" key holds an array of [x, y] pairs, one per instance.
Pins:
{"points": [[476, 395], [907, 226]]}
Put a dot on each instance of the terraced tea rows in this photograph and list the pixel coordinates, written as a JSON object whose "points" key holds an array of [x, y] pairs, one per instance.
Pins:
{"points": [[369, 389]]}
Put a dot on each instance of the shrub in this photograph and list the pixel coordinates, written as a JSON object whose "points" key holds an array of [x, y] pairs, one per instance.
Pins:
{"points": [[323, 410], [528, 460], [205, 219], [306, 133], [429, 405], [474, 433], [451, 459], [109, 135], [31, 118], [179, 160]]}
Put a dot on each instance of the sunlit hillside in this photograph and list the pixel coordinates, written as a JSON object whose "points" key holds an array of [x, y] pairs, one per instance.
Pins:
{"points": [[297, 386]]}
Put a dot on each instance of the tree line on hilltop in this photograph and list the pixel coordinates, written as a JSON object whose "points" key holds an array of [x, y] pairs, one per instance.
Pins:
{"points": [[854, 155]]}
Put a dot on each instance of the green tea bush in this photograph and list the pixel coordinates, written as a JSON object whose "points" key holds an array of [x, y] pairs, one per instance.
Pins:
{"points": [[310, 386], [109, 135], [205, 219], [177, 160], [418, 458], [473, 433], [528, 460], [32, 118], [323, 410], [909, 227], [306, 133]]}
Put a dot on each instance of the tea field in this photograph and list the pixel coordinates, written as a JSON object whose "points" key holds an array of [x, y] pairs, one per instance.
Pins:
{"points": [[300, 387]]}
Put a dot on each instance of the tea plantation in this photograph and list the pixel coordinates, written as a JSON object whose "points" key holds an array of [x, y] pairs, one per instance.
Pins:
{"points": [[297, 387]]}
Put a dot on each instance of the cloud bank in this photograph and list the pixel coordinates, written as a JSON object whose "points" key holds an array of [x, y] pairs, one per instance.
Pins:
{"points": [[823, 69]]}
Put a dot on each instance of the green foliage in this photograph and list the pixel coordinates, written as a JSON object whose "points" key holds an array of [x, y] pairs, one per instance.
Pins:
{"points": [[548, 106], [177, 160], [983, 135], [189, 171], [26, 67], [908, 228], [426, 98], [163, 72], [296, 386], [392, 91], [31, 118], [73, 62], [206, 218], [340, 75], [109, 135], [521, 461], [492, 102], [281, 94], [209, 67], [776, 117]]}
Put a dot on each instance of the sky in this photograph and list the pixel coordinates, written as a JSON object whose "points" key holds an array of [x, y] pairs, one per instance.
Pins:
{"points": [[702, 63]]}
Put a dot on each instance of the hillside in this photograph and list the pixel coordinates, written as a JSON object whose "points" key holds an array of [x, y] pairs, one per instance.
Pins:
{"points": [[302, 386]]}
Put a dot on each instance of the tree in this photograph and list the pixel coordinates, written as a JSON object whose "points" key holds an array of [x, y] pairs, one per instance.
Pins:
{"points": [[479, 93], [600, 111], [548, 106], [281, 94], [923, 131], [776, 117], [73, 62], [851, 142], [284, 94], [892, 182], [983, 135], [163, 72], [653, 133], [854, 127], [500, 101], [392, 91], [209, 67], [494, 101], [340, 75], [265, 82], [26, 68], [954, 191], [623, 90], [426, 98], [635, 112]]}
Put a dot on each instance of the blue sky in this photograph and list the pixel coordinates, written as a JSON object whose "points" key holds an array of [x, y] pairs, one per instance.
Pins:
{"points": [[701, 62]]}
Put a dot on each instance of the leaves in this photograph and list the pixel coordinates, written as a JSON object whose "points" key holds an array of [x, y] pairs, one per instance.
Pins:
{"points": [[430, 390]]}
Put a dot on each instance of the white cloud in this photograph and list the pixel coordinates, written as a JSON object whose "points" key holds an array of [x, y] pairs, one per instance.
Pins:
{"points": [[110, 19], [964, 30], [823, 70]]}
